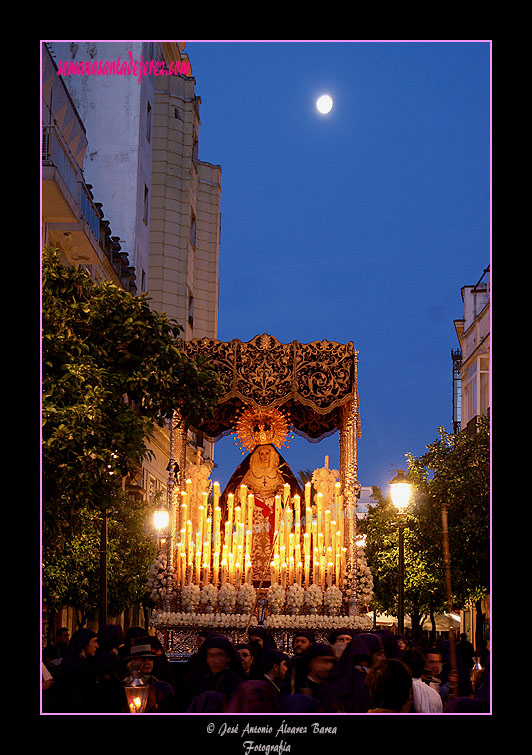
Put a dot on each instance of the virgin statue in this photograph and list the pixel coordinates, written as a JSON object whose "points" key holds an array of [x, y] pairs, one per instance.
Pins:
{"points": [[265, 473]]}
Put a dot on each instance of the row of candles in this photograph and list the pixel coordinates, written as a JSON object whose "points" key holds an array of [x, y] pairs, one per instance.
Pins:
{"points": [[306, 549]]}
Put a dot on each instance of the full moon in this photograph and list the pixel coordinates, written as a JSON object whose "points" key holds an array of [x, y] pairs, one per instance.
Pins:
{"points": [[324, 103]]}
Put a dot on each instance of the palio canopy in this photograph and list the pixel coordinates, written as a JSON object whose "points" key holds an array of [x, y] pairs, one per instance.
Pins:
{"points": [[310, 382]]}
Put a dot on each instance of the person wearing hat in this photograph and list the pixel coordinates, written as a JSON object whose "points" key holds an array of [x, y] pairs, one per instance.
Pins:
{"points": [[339, 639], [161, 698], [220, 668], [295, 675], [302, 640], [317, 663], [76, 680], [346, 691]]}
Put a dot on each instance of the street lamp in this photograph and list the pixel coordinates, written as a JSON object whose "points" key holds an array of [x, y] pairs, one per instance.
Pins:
{"points": [[401, 488], [161, 520]]}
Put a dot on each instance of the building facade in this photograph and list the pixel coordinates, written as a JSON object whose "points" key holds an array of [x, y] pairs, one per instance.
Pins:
{"points": [[473, 332], [162, 201], [125, 195]]}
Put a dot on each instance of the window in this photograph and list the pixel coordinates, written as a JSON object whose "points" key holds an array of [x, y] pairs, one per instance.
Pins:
{"points": [[192, 228], [190, 309], [146, 204], [148, 122]]}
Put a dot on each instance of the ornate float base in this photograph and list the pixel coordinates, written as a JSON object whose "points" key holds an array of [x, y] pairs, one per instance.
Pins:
{"points": [[179, 632]]}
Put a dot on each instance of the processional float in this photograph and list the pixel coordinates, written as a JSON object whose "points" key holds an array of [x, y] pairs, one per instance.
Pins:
{"points": [[265, 550]]}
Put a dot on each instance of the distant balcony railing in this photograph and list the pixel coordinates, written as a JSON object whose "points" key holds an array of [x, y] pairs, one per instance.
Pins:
{"points": [[55, 152]]}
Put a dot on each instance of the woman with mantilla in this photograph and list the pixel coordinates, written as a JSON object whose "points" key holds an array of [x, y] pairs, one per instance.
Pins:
{"points": [[265, 473]]}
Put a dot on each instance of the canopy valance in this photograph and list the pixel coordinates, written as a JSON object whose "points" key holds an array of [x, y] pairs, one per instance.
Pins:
{"points": [[310, 382]]}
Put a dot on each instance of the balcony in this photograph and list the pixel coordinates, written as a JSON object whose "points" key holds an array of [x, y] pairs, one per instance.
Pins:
{"points": [[67, 208], [74, 221]]}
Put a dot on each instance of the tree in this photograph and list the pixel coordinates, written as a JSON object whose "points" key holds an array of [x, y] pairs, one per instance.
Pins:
{"points": [[423, 587], [112, 370], [455, 470]]}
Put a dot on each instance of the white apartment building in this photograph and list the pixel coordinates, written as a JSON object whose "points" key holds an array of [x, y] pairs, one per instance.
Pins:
{"points": [[473, 332], [141, 155]]}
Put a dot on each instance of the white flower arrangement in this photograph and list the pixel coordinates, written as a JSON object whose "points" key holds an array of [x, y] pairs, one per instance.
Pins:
{"points": [[190, 598], [333, 600], [158, 579], [198, 474], [209, 597], [313, 598], [363, 579], [295, 596], [276, 598], [324, 482], [317, 622], [227, 598], [175, 620], [245, 598]]}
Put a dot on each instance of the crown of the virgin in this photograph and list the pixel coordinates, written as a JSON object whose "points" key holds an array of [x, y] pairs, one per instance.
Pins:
{"points": [[258, 427]]}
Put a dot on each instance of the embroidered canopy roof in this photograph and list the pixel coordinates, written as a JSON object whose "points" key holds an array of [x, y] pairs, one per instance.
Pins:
{"points": [[310, 382]]}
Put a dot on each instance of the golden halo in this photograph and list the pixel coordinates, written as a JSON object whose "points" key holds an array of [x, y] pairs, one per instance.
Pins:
{"points": [[258, 427]]}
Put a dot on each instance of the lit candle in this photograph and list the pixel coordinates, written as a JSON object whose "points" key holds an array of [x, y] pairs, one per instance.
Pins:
{"points": [[205, 574], [323, 571], [320, 512], [327, 532], [216, 493], [231, 568], [291, 545], [215, 567], [247, 567], [237, 574], [198, 566], [183, 569], [184, 508], [297, 552], [299, 573], [308, 486], [308, 520], [217, 520], [286, 492], [326, 462], [333, 536], [228, 536], [223, 577], [283, 574], [201, 513], [243, 502], [189, 573], [314, 534], [338, 570], [230, 502], [315, 566], [329, 574], [273, 573], [307, 571], [248, 543], [290, 570], [297, 510], [188, 486], [251, 507], [277, 512], [306, 544]]}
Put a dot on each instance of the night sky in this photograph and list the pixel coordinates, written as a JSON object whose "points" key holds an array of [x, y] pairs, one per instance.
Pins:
{"points": [[361, 225]]}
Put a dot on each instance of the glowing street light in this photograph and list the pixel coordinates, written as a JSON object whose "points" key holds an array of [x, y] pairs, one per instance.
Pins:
{"points": [[401, 489]]}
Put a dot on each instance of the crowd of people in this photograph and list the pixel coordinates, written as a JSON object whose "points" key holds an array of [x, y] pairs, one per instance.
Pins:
{"points": [[353, 672]]}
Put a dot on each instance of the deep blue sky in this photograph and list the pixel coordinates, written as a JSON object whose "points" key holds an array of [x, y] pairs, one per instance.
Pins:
{"points": [[362, 225]]}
